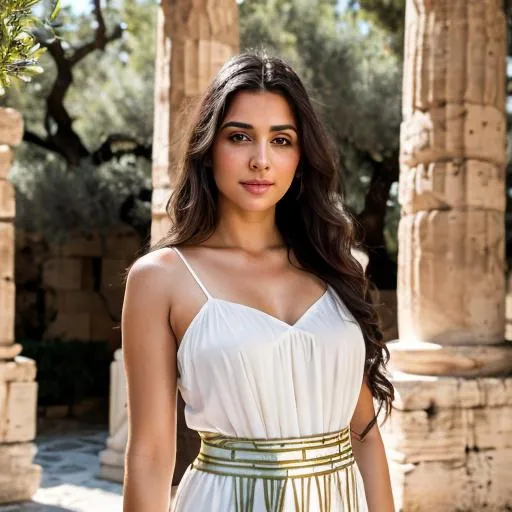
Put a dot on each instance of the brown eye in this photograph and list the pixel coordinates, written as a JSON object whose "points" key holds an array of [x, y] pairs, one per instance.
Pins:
{"points": [[282, 141], [239, 137]]}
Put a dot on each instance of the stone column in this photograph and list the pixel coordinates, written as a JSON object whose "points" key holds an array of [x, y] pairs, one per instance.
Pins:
{"points": [[19, 477], [195, 37], [450, 439]]}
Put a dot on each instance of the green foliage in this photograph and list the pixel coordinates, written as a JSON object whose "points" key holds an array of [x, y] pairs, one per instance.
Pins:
{"points": [[388, 14], [19, 50], [350, 69], [55, 203], [69, 371]]}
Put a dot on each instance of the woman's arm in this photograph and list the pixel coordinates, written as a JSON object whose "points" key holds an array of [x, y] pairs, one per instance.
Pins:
{"points": [[370, 456], [149, 352]]}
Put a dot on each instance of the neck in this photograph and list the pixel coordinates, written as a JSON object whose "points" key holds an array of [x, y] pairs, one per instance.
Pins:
{"points": [[252, 232]]}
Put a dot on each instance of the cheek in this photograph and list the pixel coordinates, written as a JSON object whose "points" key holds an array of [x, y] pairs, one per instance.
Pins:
{"points": [[226, 160]]}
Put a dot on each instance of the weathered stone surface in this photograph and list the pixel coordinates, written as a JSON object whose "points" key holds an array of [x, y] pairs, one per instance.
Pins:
{"points": [[454, 184], [5, 161], [204, 35], [7, 302], [7, 202], [16, 456], [122, 245], [11, 127], [415, 436], [19, 485], [63, 273], [455, 132], [21, 369], [6, 251], [416, 392], [9, 351], [451, 288], [80, 246], [461, 361], [18, 424], [480, 482]]}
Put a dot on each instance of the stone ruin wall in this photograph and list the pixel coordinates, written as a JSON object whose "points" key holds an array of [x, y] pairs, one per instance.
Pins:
{"points": [[19, 477], [73, 290]]}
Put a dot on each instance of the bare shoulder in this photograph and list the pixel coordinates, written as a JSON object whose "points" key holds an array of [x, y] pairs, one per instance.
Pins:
{"points": [[154, 271]]}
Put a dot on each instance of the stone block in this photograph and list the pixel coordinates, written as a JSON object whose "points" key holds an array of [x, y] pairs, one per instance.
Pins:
{"points": [[480, 482], [63, 273], [16, 456], [456, 132], [21, 369], [417, 392], [491, 428], [6, 251], [451, 288], [7, 302], [6, 159], [112, 473], [159, 201], [70, 326], [19, 421], [468, 361], [159, 227], [11, 127], [123, 245], [21, 485], [415, 436], [454, 184], [78, 301], [9, 351], [112, 273], [7, 201], [81, 246]]}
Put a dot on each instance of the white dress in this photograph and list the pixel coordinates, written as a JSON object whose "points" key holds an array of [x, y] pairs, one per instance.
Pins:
{"points": [[246, 374]]}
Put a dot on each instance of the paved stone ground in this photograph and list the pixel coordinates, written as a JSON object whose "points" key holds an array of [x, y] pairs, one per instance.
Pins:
{"points": [[70, 467]]}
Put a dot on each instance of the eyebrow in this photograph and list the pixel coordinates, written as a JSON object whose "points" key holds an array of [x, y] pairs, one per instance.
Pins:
{"points": [[246, 126]]}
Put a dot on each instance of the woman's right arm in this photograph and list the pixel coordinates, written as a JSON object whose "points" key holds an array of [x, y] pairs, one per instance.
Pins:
{"points": [[149, 353]]}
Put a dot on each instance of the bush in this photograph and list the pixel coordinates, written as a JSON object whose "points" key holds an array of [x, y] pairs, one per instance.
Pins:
{"points": [[69, 371]]}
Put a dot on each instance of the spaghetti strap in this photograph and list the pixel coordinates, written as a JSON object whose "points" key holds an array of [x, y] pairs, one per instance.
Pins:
{"points": [[192, 272]]}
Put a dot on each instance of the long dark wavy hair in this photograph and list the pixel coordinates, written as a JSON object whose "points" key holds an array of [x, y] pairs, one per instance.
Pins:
{"points": [[311, 217]]}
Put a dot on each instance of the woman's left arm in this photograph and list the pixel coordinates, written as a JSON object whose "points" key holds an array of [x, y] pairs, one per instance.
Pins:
{"points": [[370, 456]]}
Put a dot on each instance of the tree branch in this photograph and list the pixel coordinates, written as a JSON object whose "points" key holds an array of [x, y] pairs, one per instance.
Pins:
{"points": [[58, 123], [33, 138], [101, 38]]}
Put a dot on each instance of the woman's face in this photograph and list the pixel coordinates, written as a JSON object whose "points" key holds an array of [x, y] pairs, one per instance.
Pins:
{"points": [[256, 151]]}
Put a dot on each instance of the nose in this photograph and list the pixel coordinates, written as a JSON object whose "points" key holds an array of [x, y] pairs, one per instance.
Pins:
{"points": [[259, 161]]}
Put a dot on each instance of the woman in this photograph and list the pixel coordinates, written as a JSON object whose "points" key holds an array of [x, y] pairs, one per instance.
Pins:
{"points": [[255, 308]]}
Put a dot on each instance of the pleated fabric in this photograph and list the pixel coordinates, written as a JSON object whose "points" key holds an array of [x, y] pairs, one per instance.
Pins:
{"points": [[244, 373]]}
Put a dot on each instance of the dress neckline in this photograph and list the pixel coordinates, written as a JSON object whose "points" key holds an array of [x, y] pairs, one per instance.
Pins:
{"points": [[212, 300]]}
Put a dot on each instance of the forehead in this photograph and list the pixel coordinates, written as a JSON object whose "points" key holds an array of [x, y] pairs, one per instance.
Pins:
{"points": [[260, 108]]}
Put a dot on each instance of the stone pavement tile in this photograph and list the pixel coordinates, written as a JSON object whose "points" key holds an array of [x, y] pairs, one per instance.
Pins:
{"points": [[70, 480]]}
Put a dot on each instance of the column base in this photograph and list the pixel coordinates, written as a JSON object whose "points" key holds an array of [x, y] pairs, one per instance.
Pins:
{"points": [[449, 443], [423, 358]]}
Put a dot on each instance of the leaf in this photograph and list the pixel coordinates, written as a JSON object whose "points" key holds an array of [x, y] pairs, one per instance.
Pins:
{"points": [[56, 10]]}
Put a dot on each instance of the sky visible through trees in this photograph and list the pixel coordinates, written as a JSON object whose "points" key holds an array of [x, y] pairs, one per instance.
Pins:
{"points": [[85, 5]]}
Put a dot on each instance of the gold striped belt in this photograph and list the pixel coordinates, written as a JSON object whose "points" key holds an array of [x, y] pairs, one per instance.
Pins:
{"points": [[275, 459]]}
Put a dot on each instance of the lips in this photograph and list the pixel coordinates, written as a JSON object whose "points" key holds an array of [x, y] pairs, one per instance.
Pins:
{"points": [[256, 187]]}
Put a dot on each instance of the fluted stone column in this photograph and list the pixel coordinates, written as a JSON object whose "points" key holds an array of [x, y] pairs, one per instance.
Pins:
{"points": [[19, 477], [195, 37], [450, 439]]}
